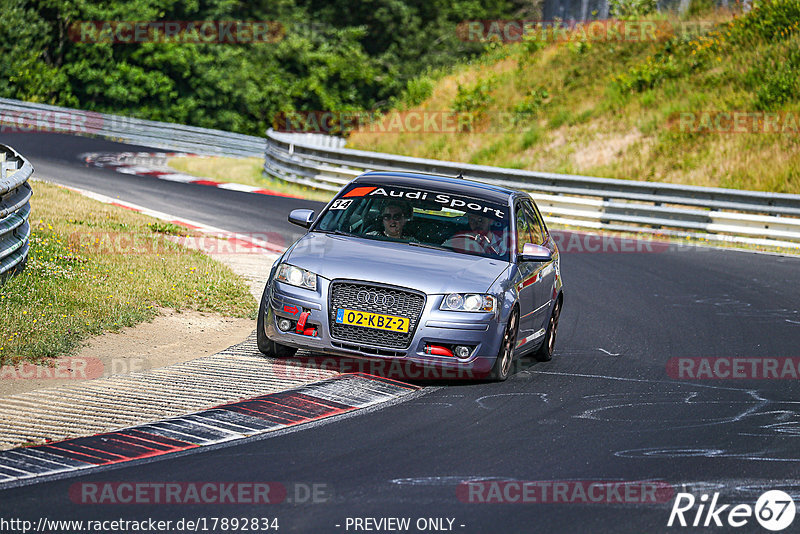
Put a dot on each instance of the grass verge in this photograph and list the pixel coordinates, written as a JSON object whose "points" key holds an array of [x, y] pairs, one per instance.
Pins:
{"points": [[95, 268], [247, 171]]}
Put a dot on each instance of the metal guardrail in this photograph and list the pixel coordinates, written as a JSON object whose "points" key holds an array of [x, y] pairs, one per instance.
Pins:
{"points": [[322, 162], [601, 203], [29, 116], [15, 208]]}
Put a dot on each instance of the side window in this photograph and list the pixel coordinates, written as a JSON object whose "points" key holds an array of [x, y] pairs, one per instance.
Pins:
{"points": [[540, 218], [523, 228], [534, 224]]}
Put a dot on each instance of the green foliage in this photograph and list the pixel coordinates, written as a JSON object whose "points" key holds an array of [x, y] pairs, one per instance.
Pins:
{"points": [[649, 74], [531, 137], [474, 99], [770, 20], [333, 55], [561, 118], [579, 47], [775, 80], [25, 75], [700, 7], [487, 153], [631, 9], [533, 102], [772, 29], [167, 228], [533, 43], [417, 91]]}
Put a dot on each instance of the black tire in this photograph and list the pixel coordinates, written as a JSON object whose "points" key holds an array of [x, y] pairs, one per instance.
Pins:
{"points": [[265, 344], [505, 357], [545, 352]]}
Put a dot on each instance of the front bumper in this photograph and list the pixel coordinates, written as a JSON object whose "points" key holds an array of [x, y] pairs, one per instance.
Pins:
{"points": [[481, 331]]}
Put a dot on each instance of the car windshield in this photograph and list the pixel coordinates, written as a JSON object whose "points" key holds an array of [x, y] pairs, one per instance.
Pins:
{"points": [[426, 218]]}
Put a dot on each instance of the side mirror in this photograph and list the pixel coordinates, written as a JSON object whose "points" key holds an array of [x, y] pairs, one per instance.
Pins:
{"points": [[531, 252], [302, 218]]}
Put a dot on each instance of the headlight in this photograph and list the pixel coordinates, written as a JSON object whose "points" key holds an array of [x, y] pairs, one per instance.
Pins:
{"points": [[297, 276], [471, 302]]}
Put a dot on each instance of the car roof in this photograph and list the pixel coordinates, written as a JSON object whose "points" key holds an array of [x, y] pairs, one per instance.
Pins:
{"points": [[444, 184]]}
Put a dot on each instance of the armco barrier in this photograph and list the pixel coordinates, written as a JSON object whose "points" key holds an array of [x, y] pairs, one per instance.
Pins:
{"points": [[15, 208], [19, 116], [621, 205]]}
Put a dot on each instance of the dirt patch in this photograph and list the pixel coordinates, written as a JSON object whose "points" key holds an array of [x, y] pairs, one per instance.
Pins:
{"points": [[604, 150], [170, 338]]}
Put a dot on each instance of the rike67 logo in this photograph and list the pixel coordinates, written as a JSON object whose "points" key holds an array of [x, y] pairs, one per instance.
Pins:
{"points": [[774, 510]]}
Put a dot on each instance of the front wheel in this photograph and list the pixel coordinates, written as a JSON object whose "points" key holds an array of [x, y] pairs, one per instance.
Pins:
{"points": [[545, 352], [502, 365], [265, 344]]}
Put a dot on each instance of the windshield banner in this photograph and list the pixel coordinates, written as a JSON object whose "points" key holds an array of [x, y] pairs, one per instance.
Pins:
{"points": [[444, 201]]}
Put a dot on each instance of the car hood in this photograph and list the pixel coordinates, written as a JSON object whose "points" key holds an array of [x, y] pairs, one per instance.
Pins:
{"points": [[428, 270]]}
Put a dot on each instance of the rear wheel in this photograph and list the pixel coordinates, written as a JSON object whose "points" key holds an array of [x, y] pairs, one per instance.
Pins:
{"points": [[265, 344], [545, 352], [502, 365]]}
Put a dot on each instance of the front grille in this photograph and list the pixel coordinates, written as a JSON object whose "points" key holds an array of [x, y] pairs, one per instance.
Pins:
{"points": [[390, 301]]}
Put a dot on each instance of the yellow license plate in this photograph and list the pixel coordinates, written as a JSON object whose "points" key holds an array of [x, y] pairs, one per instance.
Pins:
{"points": [[372, 320]]}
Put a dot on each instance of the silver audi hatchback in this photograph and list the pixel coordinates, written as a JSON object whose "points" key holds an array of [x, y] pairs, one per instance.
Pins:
{"points": [[435, 271]]}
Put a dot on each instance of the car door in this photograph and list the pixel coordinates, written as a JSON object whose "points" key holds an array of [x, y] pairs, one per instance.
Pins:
{"points": [[537, 277], [528, 273], [546, 271]]}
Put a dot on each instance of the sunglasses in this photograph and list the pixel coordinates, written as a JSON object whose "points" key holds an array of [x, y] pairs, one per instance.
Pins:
{"points": [[389, 216]]}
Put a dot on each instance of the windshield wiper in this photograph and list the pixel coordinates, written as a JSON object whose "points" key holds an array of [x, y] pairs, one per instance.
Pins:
{"points": [[425, 245], [337, 232]]}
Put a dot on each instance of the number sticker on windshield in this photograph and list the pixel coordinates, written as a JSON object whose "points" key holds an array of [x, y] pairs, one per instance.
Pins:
{"points": [[341, 204]]}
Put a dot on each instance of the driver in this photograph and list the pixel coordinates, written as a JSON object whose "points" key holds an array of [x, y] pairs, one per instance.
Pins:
{"points": [[479, 238]]}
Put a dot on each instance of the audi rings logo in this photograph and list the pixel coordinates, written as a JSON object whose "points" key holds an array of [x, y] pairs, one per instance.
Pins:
{"points": [[378, 299]]}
